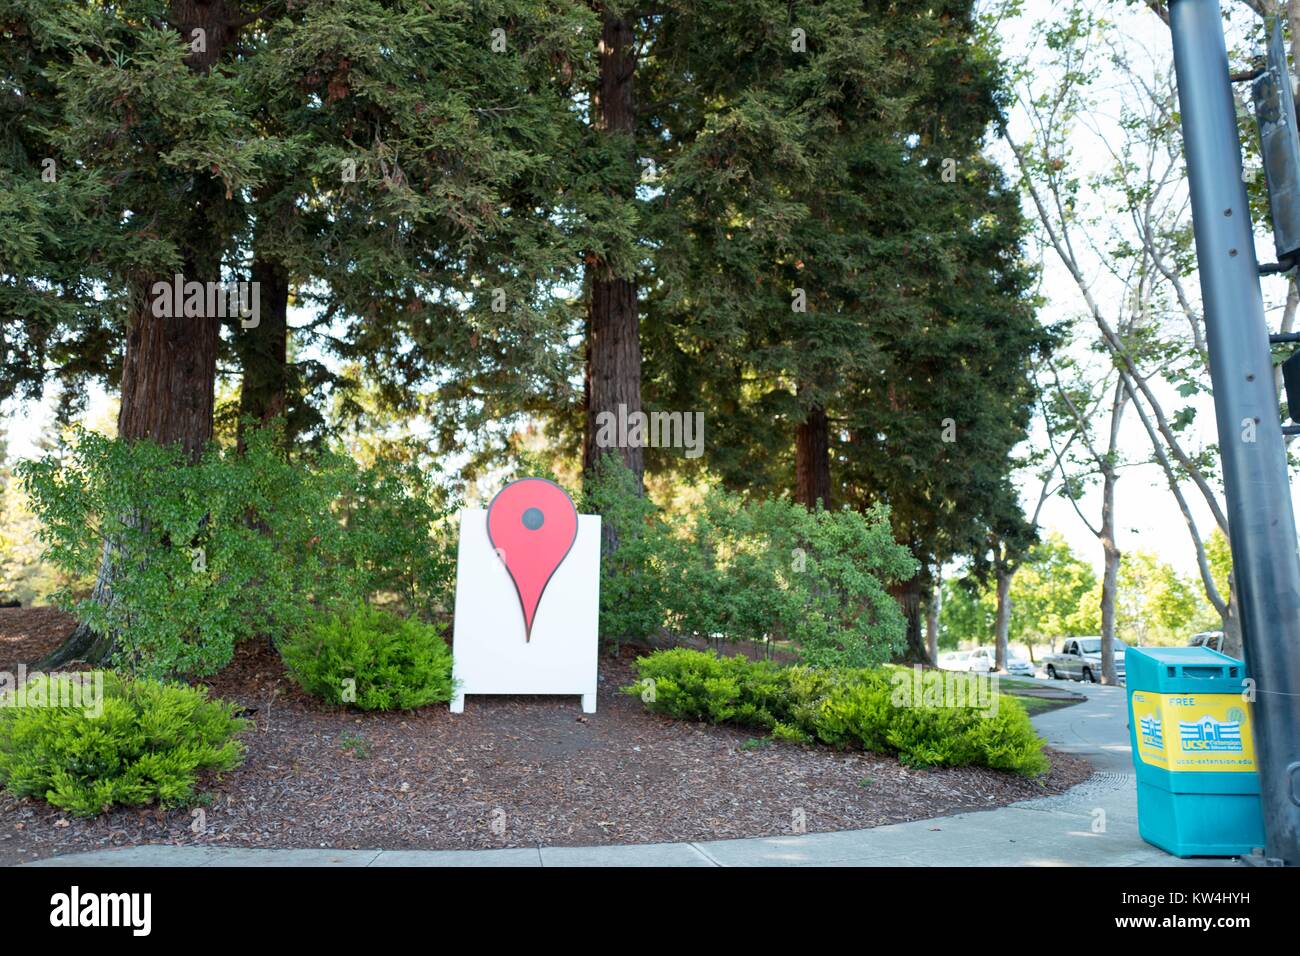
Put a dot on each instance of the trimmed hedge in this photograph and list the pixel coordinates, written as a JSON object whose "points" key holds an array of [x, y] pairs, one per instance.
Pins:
{"points": [[150, 743], [843, 707]]}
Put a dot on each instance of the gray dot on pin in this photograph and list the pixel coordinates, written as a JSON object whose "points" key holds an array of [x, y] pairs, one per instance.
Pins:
{"points": [[533, 519]]}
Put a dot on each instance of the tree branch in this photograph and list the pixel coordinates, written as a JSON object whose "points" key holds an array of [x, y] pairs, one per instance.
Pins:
{"points": [[1202, 562]]}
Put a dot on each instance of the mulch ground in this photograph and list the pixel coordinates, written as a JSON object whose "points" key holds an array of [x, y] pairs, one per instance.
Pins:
{"points": [[510, 771]]}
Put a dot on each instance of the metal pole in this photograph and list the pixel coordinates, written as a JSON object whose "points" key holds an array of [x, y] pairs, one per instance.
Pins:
{"points": [[1263, 535]]}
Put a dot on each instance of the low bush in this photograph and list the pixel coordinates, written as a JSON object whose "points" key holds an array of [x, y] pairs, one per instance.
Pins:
{"points": [[815, 582], [149, 742], [371, 659], [844, 707]]}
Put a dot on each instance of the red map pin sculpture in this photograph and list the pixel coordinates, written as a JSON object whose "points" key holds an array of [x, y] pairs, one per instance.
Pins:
{"points": [[531, 525]]}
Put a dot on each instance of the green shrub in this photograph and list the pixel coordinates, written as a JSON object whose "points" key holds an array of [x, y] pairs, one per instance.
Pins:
{"points": [[759, 571], [396, 542], [635, 579], [150, 743], [814, 580], [371, 659], [205, 554], [844, 707]]}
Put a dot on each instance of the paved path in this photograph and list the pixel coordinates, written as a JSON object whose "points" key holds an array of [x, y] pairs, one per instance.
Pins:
{"points": [[1094, 824]]}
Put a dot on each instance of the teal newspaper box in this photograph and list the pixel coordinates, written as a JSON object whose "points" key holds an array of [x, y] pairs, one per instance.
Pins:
{"points": [[1193, 751]]}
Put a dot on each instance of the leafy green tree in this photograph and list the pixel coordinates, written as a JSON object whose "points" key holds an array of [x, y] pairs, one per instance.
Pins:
{"points": [[1052, 595], [1156, 604], [1052, 592], [24, 575], [382, 160], [769, 572], [138, 111], [428, 218], [968, 613], [208, 553]]}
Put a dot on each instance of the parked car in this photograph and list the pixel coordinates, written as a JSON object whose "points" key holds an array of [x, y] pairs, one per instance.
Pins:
{"points": [[1020, 666], [955, 661], [1211, 639], [984, 660], [1079, 658], [978, 661]]}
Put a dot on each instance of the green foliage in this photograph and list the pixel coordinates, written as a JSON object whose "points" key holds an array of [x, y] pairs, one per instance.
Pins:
{"points": [[204, 555], [635, 588], [384, 661], [842, 707], [1157, 605], [24, 575], [464, 190], [150, 743], [1056, 594], [802, 194], [458, 153], [1218, 554], [759, 571], [968, 613], [1052, 596], [774, 570], [397, 542]]}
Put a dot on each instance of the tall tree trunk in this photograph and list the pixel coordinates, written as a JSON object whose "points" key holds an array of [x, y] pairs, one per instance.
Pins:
{"points": [[812, 447], [933, 608], [1002, 630], [168, 380], [264, 353], [613, 375], [908, 596], [1106, 534], [1232, 622], [1109, 580], [170, 366]]}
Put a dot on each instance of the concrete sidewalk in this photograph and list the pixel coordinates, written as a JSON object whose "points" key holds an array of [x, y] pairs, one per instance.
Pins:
{"points": [[1094, 824]]}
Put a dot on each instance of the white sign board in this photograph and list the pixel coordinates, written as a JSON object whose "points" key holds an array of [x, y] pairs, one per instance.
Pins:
{"points": [[493, 652]]}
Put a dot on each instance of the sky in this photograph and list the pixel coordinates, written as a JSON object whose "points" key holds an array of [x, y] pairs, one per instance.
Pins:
{"points": [[1147, 515]]}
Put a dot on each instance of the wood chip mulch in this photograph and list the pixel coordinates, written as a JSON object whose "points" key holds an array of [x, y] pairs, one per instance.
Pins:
{"points": [[510, 771]]}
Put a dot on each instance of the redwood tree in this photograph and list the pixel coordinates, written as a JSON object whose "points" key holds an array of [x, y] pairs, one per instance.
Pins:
{"points": [[425, 218], [139, 106], [613, 334], [838, 272]]}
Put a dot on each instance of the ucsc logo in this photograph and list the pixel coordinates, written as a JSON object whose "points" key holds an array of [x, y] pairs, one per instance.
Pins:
{"points": [[1152, 734], [1208, 734]]}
